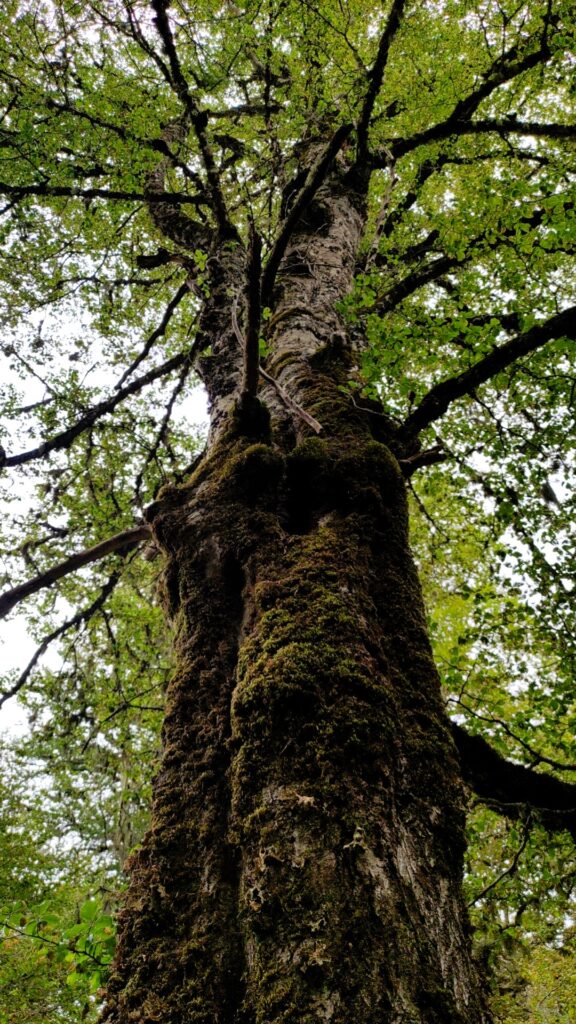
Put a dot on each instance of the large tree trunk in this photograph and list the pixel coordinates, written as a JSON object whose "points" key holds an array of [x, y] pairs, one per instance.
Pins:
{"points": [[305, 855]]}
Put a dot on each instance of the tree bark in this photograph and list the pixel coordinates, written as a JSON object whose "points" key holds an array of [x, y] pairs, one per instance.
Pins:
{"points": [[305, 855]]}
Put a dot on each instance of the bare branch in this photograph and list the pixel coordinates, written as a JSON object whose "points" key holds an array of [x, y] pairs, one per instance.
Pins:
{"points": [[291, 404], [428, 458], [441, 396], [124, 541]]}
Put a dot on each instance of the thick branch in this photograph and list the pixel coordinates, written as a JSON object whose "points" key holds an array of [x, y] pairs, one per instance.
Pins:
{"points": [[121, 541], [158, 145], [253, 314], [448, 129], [316, 175], [170, 219], [512, 787], [441, 396], [44, 189], [508, 67], [376, 75]]}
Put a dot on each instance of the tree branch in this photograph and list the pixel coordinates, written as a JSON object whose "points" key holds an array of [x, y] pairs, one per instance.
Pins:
{"points": [[376, 74], [65, 437], [441, 396], [290, 403], [198, 119], [424, 275], [507, 67], [158, 145], [82, 616], [44, 189], [314, 179], [253, 315], [124, 541], [447, 129], [157, 333], [510, 870], [511, 788]]}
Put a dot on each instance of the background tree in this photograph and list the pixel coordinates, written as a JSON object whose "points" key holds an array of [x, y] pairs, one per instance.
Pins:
{"points": [[357, 227]]}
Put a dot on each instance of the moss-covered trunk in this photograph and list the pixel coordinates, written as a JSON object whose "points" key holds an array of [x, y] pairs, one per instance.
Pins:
{"points": [[305, 855]]}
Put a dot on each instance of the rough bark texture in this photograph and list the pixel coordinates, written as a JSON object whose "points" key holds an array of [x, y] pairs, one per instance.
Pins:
{"points": [[305, 855]]}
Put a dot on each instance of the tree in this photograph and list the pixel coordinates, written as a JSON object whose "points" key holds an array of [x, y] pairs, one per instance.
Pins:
{"points": [[358, 228]]}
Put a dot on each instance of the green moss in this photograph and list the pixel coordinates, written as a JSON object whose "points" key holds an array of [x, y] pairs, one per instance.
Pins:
{"points": [[304, 687], [251, 472]]}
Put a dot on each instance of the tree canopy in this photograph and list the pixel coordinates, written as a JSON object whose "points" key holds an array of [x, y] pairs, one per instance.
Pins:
{"points": [[135, 138]]}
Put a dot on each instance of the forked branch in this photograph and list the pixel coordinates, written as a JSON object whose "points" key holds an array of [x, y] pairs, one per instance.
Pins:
{"points": [[376, 75], [65, 438], [198, 119]]}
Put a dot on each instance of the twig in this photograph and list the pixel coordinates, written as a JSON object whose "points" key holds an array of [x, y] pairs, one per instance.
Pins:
{"points": [[426, 458], [534, 754], [509, 870], [157, 333], [52, 942], [82, 616]]}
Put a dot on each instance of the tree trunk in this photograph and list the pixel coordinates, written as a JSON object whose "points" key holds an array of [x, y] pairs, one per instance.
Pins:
{"points": [[305, 855]]}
